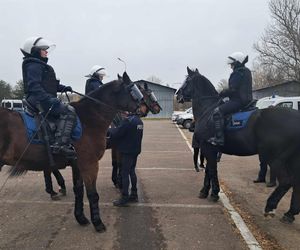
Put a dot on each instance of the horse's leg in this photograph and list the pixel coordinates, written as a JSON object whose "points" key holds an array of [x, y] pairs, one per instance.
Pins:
{"points": [[78, 192], [60, 181], [282, 188], [89, 179], [49, 186], [195, 158], [210, 153], [289, 216], [206, 186]]}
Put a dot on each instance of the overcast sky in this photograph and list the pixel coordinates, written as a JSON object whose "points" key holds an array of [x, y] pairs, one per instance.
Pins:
{"points": [[154, 37]]}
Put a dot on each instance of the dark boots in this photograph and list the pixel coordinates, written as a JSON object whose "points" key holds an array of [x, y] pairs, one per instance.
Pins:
{"points": [[122, 202], [218, 140], [63, 132]]}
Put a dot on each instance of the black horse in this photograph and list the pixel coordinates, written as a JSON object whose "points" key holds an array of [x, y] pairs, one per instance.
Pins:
{"points": [[273, 133], [96, 115]]}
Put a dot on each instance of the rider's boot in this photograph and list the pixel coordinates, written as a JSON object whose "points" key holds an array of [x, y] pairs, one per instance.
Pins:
{"points": [[218, 140], [63, 144]]}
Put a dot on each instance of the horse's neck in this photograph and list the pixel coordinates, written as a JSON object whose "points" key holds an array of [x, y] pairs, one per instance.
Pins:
{"points": [[203, 108]]}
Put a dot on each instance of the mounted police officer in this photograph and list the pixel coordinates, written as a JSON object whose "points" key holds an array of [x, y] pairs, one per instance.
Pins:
{"points": [[239, 92], [128, 139], [41, 87], [95, 78]]}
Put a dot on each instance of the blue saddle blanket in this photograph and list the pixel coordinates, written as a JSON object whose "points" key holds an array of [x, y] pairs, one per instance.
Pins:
{"points": [[31, 128], [239, 120]]}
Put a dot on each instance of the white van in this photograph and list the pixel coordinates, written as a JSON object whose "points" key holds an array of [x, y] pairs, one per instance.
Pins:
{"points": [[12, 104], [279, 101]]}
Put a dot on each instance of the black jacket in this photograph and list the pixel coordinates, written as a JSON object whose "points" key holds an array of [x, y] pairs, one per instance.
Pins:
{"points": [[40, 83], [240, 86], [92, 84], [128, 136]]}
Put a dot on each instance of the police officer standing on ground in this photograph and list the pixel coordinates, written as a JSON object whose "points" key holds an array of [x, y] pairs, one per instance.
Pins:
{"points": [[239, 92], [41, 87], [128, 140], [95, 79]]}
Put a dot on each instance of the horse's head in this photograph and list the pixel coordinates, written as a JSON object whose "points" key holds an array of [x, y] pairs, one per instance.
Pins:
{"points": [[195, 85], [128, 94], [150, 99]]}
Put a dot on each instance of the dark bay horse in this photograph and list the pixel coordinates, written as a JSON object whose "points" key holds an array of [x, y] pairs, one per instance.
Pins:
{"points": [[272, 133], [95, 115], [152, 104]]}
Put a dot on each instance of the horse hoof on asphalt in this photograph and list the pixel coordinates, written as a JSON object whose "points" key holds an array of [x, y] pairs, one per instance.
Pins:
{"points": [[270, 214], [100, 228], [287, 219], [54, 196], [214, 197], [82, 220], [63, 191], [203, 195]]}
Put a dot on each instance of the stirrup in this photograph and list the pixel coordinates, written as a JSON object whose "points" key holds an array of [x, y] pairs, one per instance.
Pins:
{"points": [[216, 141]]}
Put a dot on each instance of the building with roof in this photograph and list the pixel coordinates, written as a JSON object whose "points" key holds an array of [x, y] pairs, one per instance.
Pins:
{"points": [[288, 88], [165, 96]]}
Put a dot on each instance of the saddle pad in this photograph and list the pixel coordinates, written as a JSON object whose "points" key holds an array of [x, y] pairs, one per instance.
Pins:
{"points": [[31, 128], [238, 120]]}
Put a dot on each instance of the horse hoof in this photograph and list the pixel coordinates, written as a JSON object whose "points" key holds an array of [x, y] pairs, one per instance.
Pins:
{"points": [[100, 228], [269, 214], [63, 191], [55, 197], [287, 219], [203, 195], [214, 197], [82, 220]]}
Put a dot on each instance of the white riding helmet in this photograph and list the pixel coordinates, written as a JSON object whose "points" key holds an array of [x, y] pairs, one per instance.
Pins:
{"points": [[237, 57], [98, 70], [37, 43]]}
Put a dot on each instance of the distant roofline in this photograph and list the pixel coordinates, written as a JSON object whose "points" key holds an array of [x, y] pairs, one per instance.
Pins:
{"points": [[157, 84]]}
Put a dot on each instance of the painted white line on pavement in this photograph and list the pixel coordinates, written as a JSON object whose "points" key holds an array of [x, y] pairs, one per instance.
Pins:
{"points": [[235, 216], [109, 204]]}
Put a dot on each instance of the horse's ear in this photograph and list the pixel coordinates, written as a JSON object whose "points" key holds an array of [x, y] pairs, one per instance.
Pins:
{"points": [[189, 70], [126, 78], [145, 86], [197, 71], [120, 77]]}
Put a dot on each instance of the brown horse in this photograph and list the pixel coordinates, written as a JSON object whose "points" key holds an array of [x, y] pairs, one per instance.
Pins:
{"points": [[153, 106], [95, 115]]}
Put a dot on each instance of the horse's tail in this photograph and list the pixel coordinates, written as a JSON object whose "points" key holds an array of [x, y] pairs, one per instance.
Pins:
{"points": [[16, 171]]}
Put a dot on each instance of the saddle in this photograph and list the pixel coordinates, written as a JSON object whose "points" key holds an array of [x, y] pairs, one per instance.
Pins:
{"points": [[239, 120], [38, 128]]}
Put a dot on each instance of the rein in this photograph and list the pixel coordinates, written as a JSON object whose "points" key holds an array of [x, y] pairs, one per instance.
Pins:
{"points": [[94, 100]]}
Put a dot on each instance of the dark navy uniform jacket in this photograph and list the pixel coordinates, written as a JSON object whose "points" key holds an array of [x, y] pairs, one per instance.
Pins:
{"points": [[240, 86], [40, 83], [128, 136], [92, 84]]}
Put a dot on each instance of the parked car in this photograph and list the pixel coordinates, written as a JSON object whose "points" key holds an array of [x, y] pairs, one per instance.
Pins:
{"points": [[185, 119], [12, 104], [176, 114], [279, 101]]}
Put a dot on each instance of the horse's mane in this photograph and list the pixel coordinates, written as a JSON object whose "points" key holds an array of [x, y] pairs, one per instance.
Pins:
{"points": [[207, 88]]}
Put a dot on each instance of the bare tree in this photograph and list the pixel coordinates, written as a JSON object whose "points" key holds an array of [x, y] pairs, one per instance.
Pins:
{"points": [[279, 47]]}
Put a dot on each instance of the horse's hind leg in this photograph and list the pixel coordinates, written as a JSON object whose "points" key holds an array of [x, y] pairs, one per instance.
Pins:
{"points": [[289, 216], [278, 193], [78, 189], [90, 178]]}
